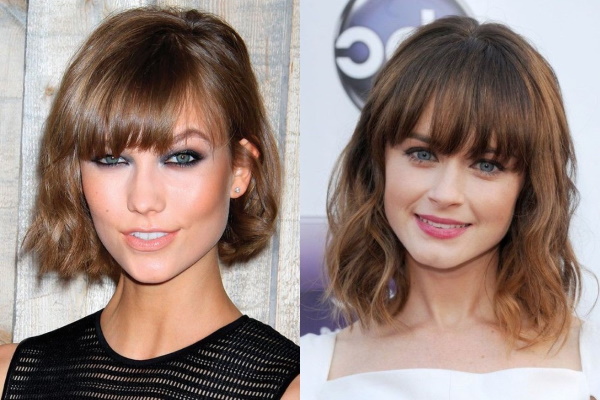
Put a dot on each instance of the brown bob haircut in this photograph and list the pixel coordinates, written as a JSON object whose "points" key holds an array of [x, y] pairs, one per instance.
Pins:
{"points": [[125, 88], [485, 83]]}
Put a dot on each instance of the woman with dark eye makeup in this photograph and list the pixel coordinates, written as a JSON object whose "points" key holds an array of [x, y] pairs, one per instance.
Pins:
{"points": [[158, 163], [449, 214]]}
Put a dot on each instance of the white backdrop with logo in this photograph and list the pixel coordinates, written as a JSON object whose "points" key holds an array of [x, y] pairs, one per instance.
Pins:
{"points": [[566, 33]]}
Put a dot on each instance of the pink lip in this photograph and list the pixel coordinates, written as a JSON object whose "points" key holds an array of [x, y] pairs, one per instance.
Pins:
{"points": [[439, 232], [149, 245]]}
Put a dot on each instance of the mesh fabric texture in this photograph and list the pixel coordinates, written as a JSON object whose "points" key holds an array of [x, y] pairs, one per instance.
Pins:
{"points": [[243, 360]]}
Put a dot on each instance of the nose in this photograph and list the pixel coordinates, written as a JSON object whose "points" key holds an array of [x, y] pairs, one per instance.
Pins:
{"points": [[145, 192], [447, 188]]}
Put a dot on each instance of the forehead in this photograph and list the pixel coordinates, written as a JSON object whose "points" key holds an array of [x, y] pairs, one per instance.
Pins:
{"points": [[191, 123]]}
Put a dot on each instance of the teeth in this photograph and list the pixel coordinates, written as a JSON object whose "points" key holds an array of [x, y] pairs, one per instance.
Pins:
{"points": [[442, 226], [148, 235]]}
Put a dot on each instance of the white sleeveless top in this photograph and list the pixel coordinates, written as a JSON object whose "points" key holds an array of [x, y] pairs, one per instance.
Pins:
{"points": [[439, 384]]}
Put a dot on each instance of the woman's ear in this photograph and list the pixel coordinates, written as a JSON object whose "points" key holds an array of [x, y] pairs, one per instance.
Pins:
{"points": [[242, 168]]}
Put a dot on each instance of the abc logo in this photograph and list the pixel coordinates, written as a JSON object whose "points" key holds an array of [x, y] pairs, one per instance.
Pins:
{"points": [[370, 31]]}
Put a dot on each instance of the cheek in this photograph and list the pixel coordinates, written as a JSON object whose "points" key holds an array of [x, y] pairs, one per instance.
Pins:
{"points": [[95, 193], [104, 209], [206, 199], [402, 188], [95, 199], [201, 199], [498, 204], [401, 193]]}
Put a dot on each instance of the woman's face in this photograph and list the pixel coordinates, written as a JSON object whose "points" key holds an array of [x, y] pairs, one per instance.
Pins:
{"points": [[160, 214], [448, 211]]}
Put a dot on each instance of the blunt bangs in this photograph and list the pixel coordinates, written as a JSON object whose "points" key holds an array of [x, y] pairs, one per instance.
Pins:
{"points": [[480, 93]]}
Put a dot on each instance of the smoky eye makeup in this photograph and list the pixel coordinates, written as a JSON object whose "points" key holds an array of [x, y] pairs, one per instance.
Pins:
{"points": [[109, 160], [182, 158]]}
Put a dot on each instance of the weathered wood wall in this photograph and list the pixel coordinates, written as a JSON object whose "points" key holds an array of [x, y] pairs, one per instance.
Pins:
{"points": [[267, 288], [12, 50]]}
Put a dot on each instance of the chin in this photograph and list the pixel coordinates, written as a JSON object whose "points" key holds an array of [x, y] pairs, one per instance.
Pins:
{"points": [[149, 277], [435, 263]]}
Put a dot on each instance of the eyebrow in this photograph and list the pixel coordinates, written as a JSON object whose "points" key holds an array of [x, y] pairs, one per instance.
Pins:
{"points": [[427, 139], [187, 133], [418, 136]]}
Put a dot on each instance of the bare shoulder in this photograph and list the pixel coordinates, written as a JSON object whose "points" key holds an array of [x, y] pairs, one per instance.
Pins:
{"points": [[570, 351], [293, 391], [352, 334], [571, 341], [6, 354], [564, 352], [355, 342]]}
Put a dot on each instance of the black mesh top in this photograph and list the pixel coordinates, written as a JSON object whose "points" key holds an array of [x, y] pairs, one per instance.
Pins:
{"points": [[243, 360]]}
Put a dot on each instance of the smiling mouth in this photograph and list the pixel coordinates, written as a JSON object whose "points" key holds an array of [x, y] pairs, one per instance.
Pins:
{"points": [[148, 235], [440, 225]]}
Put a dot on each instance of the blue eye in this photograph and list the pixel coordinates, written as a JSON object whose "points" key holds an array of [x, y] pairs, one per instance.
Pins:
{"points": [[423, 155], [488, 167], [110, 160], [183, 158], [420, 154]]}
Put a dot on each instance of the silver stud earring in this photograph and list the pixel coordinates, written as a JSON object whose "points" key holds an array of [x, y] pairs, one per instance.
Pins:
{"points": [[237, 190]]}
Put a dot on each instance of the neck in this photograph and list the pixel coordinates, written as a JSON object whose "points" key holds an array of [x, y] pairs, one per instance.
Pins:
{"points": [[451, 298], [143, 321]]}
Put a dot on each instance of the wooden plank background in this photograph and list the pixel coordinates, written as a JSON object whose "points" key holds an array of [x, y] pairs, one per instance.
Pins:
{"points": [[12, 49], [267, 288]]}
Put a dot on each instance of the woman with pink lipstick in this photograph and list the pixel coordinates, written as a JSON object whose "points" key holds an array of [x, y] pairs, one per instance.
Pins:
{"points": [[449, 214], [157, 162]]}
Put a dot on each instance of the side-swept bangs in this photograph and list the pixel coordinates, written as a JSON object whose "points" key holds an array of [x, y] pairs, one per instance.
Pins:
{"points": [[127, 87], [134, 92]]}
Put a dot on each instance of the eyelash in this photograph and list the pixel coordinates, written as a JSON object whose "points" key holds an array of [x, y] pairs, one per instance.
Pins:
{"points": [[195, 158], [413, 151], [497, 167], [101, 161]]}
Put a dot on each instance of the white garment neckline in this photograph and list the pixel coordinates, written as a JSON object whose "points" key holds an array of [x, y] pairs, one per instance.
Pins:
{"points": [[582, 357]]}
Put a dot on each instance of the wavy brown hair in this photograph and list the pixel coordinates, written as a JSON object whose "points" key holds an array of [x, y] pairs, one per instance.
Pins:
{"points": [[485, 83], [125, 88]]}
